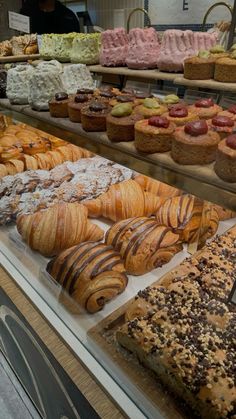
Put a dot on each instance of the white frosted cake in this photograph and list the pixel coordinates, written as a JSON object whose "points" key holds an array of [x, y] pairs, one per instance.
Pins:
{"points": [[86, 48], [18, 84], [45, 82], [76, 76], [51, 65]]}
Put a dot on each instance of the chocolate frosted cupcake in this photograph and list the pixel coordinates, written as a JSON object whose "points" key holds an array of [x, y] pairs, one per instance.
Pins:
{"points": [[120, 123], [93, 116], [154, 135], [225, 165], [194, 143], [75, 106], [58, 107], [223, 125]]}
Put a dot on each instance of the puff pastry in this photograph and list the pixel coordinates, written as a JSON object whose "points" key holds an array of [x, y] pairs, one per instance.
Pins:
{"points": [[156, 187]]}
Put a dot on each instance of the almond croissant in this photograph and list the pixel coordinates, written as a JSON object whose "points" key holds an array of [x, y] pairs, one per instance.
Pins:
{"points": [[123, 200], [57, 228], [92, 273], [143, 243]]}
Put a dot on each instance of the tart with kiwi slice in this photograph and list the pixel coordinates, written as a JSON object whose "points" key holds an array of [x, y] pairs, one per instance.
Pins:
{"points": [[120, 123], [150, 107]]}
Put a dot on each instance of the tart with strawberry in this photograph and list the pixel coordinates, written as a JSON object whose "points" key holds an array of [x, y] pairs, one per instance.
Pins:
{"points": [[223, 125], [205, 108], [154, 135], [225, 165], [195, 143], [180, 115]]}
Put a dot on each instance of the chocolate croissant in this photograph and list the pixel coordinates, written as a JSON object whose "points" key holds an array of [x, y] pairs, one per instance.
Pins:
{"points": [[143, 243], [156, 187], [189, 217], [57, 228], [123, 200], [92, 273]]}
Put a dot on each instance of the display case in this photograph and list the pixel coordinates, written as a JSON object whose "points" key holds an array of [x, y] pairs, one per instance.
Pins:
{"points": [[90, 336]]}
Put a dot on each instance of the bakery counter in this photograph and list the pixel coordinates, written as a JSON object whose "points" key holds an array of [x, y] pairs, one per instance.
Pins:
{"points": [[200, 180]]}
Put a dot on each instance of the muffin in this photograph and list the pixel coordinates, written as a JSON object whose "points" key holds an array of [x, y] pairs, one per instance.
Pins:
{"points": [[139, 97], [150, 107], [205, 108], [200, 67], [223, 125], [230, 112], [154, 135], [225, 69], [122, 99], [58, 107], [194, 143], [180, 115], [75, 106], [225, 165], [217, 52], [93, 116], [120, 123]]}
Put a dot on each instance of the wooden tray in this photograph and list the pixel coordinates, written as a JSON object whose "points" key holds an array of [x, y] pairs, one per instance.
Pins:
{"points": [[16, 58], [143, 383]]}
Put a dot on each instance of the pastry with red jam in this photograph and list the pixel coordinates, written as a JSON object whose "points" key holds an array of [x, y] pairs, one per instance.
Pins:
{"points": [[195, 143], [205, 108], [225, 165], [230, 112], [58, 107], [223, 125], [154, 135], [120, 123], [93, 116], [75, 106], [180, 115]]}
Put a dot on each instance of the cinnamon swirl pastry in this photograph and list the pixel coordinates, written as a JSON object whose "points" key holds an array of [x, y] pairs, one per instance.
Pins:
{"points": [[92, 273]]}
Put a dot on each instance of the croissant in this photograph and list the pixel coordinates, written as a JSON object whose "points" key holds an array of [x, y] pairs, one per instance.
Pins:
{"points": [[189, 217], [223, 213], [78, 152], [14, 166], [92, 273], [30, 162], [143, 243], [123, 200], [156, 187], [44, 161], [57, 228], [3, 171], [56, 158]]}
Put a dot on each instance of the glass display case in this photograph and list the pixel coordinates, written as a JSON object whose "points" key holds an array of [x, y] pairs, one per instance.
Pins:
{"points": [[91, 336]]}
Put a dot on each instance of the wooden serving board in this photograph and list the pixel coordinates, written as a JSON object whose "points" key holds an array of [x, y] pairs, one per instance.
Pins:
{"points": [[143, 383], [17, 58]]}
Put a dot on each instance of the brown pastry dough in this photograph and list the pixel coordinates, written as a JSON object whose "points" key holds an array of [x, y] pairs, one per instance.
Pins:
{"points": [[30, 162], [57, 228], [14, 166], [92, 273], [124, 200], [143, 244], [223, 213], [189, 217], [3, 171], [156, 187]]}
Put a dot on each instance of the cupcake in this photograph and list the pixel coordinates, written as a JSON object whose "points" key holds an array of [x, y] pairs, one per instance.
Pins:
{"points": [[120, 123], [180, 115], [58, 107], [75, 106], [225, 69], [150, 107], [222, 124], [194, 143], [199, 67], [93, 116], [217, 52], [230, 113], [205, 108], [154, 135], [225, 165]]}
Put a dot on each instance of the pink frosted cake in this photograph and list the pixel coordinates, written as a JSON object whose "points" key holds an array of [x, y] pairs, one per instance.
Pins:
{"points": [[114, 48], [178, 45], [143, 49]]}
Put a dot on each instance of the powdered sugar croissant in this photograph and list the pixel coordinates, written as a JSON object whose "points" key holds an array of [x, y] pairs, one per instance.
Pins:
{"points": [[57, 228], [124, 200], [92, 273], [143, 243]]}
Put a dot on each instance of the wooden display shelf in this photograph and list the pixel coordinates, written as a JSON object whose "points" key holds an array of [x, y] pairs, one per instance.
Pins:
{"points": [[207, 84], [18, 58], [124, 71]]}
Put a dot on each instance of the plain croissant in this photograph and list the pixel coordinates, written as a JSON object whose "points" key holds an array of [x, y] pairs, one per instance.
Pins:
{"points": [[92, 273], [57, 228], [143, 243], [123, 200], [156, 187]]}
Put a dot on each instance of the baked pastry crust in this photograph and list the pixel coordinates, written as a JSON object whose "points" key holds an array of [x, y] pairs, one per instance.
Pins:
{"points": [[151, 139]]}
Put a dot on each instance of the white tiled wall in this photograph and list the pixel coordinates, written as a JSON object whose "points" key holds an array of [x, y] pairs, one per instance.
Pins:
{"points": [[102, 12]]}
